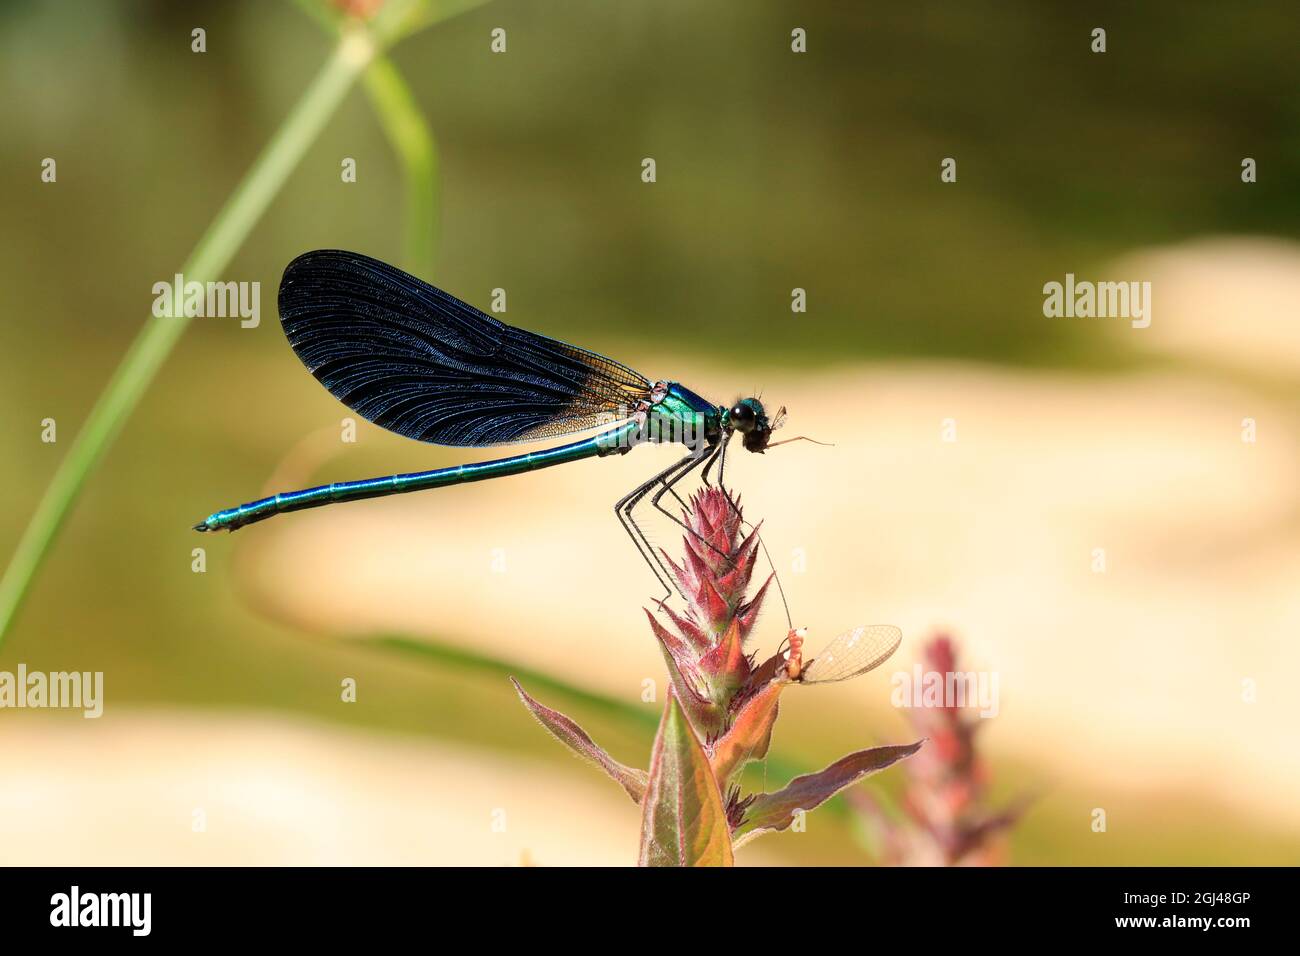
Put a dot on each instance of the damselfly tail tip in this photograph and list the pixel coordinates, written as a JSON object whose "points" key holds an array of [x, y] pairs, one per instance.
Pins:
{"points": [[202, 526]]}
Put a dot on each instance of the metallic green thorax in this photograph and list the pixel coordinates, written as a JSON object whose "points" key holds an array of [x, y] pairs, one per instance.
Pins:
{"points": [[682, 416]]}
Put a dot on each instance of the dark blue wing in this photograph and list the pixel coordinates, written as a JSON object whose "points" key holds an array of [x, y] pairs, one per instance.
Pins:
{"points": [[419, 362]]}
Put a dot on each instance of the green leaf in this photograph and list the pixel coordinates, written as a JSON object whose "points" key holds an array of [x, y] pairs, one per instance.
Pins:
{"points": [[683, 822], [579, 741], [771, 812]]}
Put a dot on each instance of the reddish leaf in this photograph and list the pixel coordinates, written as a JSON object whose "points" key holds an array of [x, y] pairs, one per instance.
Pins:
{"points": [[693, 693], [775, 811], [747, 613], [683, 822], [749, 735], [736, 580], [567, 732], [687, 628], [684, 580], [712, 605], [727, 660], [765, 672], [673, 644], [985, 829]]}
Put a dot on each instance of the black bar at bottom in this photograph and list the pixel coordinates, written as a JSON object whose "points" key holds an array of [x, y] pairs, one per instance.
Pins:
{"points": [[331, 905]]}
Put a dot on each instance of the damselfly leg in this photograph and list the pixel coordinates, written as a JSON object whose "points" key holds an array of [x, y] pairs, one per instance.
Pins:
{"points": [[722, 469], [721, 458], [623, 509], [668, 487]]}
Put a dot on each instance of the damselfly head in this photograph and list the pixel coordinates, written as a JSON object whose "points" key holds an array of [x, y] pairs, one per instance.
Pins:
{"points": [[748, 417]]}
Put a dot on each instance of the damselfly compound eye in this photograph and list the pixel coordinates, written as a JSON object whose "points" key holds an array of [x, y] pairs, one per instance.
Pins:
{"points": [[743, 418]]}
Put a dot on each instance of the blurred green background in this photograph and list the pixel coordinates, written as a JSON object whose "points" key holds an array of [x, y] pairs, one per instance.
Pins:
{"points": [[818, 171]]}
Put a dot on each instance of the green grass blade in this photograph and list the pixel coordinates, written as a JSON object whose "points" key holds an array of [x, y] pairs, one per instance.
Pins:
{"points": [[450, 655], [410, 136], [413, 141], [354, 52], [159, 336]]}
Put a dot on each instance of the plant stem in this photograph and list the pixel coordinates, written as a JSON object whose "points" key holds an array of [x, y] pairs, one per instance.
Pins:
{"points": [[356, 48], [154, 342], [408, 133], [412, 140]]}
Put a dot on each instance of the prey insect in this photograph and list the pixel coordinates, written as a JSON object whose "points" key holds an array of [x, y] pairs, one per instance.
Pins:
{"points": [[849, 655]]}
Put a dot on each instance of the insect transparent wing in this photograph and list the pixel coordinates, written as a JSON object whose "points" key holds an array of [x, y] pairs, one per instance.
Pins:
{"points": [[852, 653]]}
